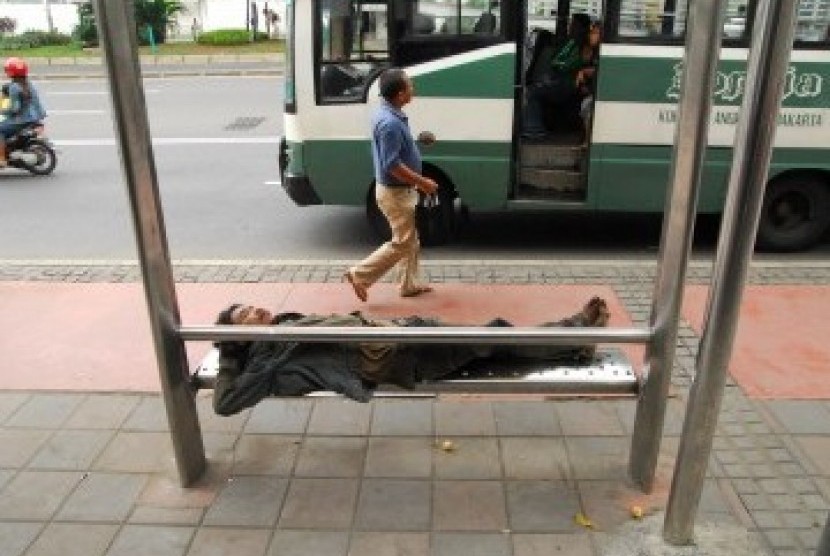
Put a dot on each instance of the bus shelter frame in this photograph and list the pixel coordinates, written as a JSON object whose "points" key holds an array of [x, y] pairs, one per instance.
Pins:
{"points": [[753, 146]]}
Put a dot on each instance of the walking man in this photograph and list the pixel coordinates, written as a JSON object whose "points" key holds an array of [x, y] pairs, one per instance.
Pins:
{"points": [[398, 180]]}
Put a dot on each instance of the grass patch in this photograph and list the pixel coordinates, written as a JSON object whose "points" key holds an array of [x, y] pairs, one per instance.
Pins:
{"points": [[172, 49]]}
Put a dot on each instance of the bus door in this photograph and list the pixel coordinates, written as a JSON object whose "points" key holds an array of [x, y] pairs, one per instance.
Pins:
{"points": [[560, 64]]}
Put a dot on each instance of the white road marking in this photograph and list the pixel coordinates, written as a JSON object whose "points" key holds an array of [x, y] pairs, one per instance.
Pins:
{"points": [[173, 141], [273, 183], [89, 93]]}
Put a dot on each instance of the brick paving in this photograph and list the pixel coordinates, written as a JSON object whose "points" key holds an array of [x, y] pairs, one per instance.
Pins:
{"points": [[93, 473]]}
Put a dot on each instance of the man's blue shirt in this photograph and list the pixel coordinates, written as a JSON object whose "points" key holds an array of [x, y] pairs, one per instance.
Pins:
{"points": [[392, 143]]}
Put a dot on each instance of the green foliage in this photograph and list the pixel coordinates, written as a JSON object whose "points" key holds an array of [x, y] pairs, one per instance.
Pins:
{"points": [[86, 32], [227, 37], [157, 15], [34, 39]]}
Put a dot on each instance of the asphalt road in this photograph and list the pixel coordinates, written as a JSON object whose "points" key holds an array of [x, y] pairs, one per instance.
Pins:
{"points": [[215, 153]]}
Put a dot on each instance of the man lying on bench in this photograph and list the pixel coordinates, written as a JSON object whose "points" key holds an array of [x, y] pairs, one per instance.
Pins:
{"points": [[251, 371]]}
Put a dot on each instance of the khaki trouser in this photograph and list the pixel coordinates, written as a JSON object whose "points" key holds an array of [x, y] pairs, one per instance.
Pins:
{"points": [[398, 206]]}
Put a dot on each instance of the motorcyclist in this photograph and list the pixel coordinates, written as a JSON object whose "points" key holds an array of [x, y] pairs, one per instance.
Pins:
{"points": [[24, 107]]}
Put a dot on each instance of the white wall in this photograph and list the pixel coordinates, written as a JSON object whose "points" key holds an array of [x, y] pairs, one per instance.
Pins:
{"points": [[212, 14]]}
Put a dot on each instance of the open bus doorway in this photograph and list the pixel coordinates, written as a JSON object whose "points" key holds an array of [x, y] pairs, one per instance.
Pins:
{"points": [[560, 67]]}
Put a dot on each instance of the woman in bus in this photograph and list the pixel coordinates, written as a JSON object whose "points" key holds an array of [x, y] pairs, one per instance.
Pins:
{"points": [[586, 77], [560, 87], [24, 107]]}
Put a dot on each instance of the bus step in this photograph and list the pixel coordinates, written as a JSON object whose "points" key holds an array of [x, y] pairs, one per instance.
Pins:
{"points": [[559, 181], [608, 373], [564, 157]]}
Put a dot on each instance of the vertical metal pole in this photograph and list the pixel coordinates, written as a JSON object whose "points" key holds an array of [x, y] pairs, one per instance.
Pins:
{"points": [[117, 33], [766, 73], [703, 35], [824, 543]]}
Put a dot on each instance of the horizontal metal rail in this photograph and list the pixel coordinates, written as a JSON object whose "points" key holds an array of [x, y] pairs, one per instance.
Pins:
{"points": [[420, 335]]}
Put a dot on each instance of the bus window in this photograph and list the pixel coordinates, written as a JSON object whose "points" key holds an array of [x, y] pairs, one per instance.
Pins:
{"points": [[353, 45], [653, 18], [813, 22], [453, 17]]}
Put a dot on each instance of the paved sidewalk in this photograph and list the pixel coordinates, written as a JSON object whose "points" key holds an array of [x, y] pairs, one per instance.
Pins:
{"points": [[91, 473]]}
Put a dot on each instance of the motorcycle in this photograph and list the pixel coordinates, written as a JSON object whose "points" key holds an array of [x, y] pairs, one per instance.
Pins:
{"points": [[30, 150]]}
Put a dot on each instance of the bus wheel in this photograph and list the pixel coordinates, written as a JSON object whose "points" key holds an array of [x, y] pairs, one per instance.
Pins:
{"points": [[795, 214], [436, 223]]}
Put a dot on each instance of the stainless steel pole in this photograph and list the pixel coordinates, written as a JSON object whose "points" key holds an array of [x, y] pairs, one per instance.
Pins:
{"points": [[824, 543], [766, 72], [703, 36], [116, 30]]}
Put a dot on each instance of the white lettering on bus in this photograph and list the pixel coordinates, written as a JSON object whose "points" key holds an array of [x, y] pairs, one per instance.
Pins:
{"points": [[729, 86], [730, 117]]}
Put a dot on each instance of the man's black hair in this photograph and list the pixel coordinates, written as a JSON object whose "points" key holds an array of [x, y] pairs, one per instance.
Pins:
{"points": [[392, 82], [224, 316], [580, 28]]}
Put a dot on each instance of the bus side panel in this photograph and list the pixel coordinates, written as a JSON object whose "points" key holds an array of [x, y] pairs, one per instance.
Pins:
{"points": [[340, 171], [480, 171], [636, 178]]}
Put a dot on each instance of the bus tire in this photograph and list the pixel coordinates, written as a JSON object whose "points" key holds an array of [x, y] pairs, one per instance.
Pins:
{"points": [[795, 213]]}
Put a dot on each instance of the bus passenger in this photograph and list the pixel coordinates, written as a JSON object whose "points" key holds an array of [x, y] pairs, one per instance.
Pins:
{"points": [[398, 179], [559, 88], [251, 371], [586, 80]]}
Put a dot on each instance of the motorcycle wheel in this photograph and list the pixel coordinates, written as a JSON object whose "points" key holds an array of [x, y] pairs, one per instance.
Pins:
{"points": [[45, 156]]}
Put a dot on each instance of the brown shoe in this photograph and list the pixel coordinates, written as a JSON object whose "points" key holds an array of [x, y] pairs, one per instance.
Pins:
{"points": [[359, 289]]}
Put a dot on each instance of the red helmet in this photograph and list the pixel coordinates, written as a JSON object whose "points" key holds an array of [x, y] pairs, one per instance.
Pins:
{"points": [[16, 67]]}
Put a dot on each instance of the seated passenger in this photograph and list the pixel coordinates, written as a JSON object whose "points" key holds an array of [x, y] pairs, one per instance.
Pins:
{"points": [[251, 371], [586, 81], [558, 88]]}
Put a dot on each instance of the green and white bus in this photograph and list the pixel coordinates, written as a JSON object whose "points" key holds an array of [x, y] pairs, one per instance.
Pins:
{"points": [[471, 62]]}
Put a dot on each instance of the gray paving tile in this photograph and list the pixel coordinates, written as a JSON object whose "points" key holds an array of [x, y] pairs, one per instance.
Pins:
{"points": [[466, 418], [542, 506], [607, 503], [589, 418], [340, 416], [16, 536], [468, 506], [598, 458], [20, 445], [163, 490], [103, 497], [10, 402], [137, 452], [71, 449], [393, 505], [213, 541], [526, 419], [305, 543], [148, 515], [801, 417], [817, 449], [73, 539], [35, 495], [548, 544], [399, 457], [149, 416], [248, 501], [265, 454], [219, 447], [402, 417], [331, 457], [45, 411], [149, 540], [102, 411], [211, 422], [479, 544], [470, 458], [672, 425], [535, 458], [390, 544], [279, 416], [5, 476], [319, 504]]}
